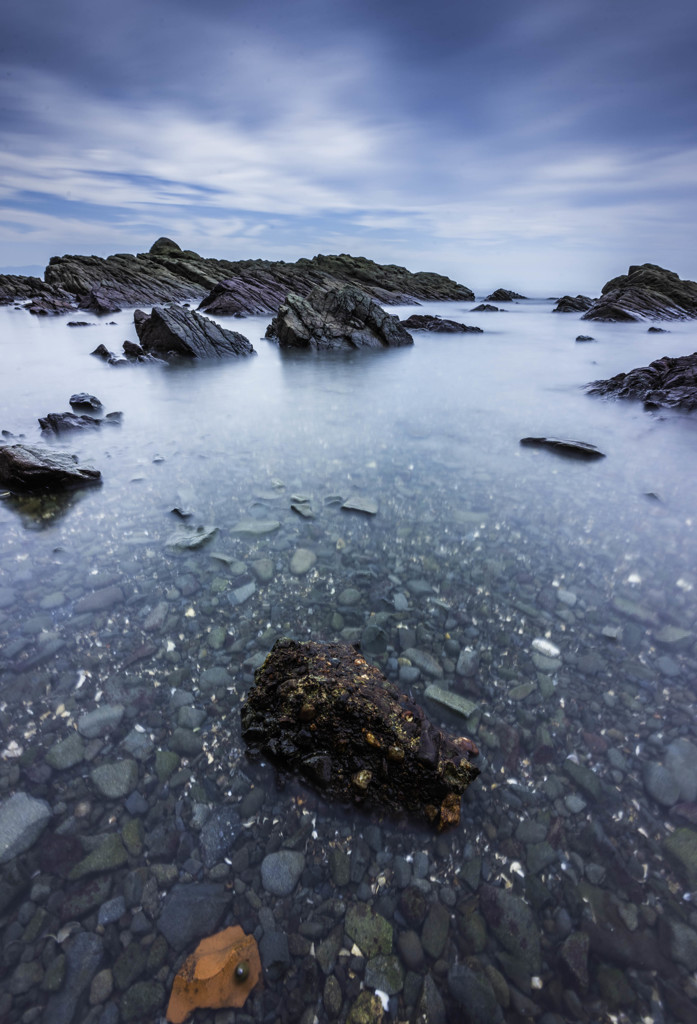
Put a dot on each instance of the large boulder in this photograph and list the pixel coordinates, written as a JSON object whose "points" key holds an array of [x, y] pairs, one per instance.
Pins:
{"points": [[667, 382], [336, 318], [573, 304], [645, 292], [25, 467], [320, 710], [171, 332]]}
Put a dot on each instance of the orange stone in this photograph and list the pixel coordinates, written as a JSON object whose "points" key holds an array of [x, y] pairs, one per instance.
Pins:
{"points": [[221, 972]]}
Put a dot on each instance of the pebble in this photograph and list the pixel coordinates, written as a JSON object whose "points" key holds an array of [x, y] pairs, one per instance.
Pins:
{"points": [[281, 871], [302, 561]]}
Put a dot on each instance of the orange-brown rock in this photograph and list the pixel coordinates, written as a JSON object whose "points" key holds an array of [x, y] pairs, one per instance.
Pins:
{"points": [[221, 972]]}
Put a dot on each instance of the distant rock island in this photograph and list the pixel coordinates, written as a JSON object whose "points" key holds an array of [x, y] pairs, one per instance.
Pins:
{"points": [[168, 273], [646, 292]]}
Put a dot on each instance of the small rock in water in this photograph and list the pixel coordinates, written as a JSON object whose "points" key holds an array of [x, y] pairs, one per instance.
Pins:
{"points": [[302, 561], [367, 505], [190, 537]]}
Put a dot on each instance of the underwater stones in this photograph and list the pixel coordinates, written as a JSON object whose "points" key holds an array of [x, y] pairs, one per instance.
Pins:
{"points": [[115, 779], [369, 506], [452, 701], [320, 710], [680, 848], [512, 922], [189, 537], [22, 820], [661, 785], [281, 871], [191, 911], [371, 932], [302, 561], [564, 446]]}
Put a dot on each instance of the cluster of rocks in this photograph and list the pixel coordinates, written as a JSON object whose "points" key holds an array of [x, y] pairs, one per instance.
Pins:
{"points": [[573, 304], [168, 274], [645, 292], [665, 383]]}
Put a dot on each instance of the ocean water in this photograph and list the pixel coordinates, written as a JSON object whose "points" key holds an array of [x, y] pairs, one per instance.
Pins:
{"points": [[479, 546]]}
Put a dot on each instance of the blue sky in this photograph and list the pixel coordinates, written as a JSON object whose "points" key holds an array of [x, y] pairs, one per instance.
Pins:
{"points": [[541, 145]]}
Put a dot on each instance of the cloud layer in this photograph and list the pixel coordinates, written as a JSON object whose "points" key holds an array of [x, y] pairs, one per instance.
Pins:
{"points": [[542, 145]]}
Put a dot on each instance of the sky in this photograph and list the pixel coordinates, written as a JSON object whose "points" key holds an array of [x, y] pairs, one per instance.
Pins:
{"points": [[540, 145]]}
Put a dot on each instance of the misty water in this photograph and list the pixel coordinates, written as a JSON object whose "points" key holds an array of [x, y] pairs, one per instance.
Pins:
{"points": [[478, 548]]}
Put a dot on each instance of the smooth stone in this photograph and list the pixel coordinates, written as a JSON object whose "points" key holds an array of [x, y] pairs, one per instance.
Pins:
{"points": [[474, 995], [302, 561], [101, 721], [138, 744], [681, 762], [111, 911], [349, 596], [188, 537], [453, 701], [436, 927], [255, 527], [242, 594], [512, 922], [214, 678], [109, 855], [544, 664], [263, 569], [521, 691], [367, 505], [66, 753], [191, 912], [281, 871], [116, 779], [100, 600], [680, 848], [424, 661], [467, 662], [186, 742], [673, 636], [83, 953], [661, 785], [23, 818], [385, 974], [410, 949]]}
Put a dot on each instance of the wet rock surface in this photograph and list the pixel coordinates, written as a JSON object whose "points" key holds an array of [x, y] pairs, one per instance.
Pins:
{"points": [[335, 319], [171, 332], [321, 710], [665, 383], [573, 304], [645, 292], [564, 446], [504, 295], [25, 467]]}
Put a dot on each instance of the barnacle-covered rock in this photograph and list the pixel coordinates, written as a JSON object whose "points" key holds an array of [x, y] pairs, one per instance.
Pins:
{"points": [[319, 709]]}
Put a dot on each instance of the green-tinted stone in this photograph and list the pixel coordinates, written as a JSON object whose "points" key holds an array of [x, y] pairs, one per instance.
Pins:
{"points": [[166, 762], [130, 965], [55, 974], [522, 691], [370, 931], [681, 850], [110, 854], [132, 834], [367, 1009], [66, 753], [385, 973], [142, 1001], [339, 866]]}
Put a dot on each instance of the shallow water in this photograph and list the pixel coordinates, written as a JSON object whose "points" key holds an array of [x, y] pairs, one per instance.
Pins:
{"points": [[478, 545]]}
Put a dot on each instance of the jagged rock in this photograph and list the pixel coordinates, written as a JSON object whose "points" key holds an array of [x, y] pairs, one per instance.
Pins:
{"points": [[168, 273], [584, 337], [572, 449], [171, 332], [504, 295], [84, 401], [336, 318], [645, 292], [423, 322], [668, 382], [486, 307], [25, 467], [60, 422], [322, 711], [573, 304], [22, 820]]}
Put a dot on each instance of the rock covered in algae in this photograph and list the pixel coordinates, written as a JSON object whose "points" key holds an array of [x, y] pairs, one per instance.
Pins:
{"points": [[319, 709], [221, 972]]}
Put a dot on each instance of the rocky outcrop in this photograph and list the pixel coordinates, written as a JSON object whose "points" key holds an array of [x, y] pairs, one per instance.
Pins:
{"points": [[573, 304], [667, 382], [646, 292], [423, 322], [504, 295], [25, 467], [562, 446], [485, 307], [320, 710], [336, 318], [172, 332], [168, 273], [62, 422]]}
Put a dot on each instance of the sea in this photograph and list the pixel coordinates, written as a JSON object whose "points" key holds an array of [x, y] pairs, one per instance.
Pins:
{"points": [[557, 595]]}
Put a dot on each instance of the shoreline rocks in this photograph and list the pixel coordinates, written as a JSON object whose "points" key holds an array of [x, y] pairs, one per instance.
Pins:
{"points": [[504, 295], [573, 304], [25, 467], [172, 332], [665, 383], [645, 292], [336, 318], [437, 324]]}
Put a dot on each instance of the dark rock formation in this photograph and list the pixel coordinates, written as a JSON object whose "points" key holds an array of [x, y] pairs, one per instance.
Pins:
{"points": [[584, 337], [26, 467], [172, 332], [322, 711], [667, 382], [572, 449], [504, 295], [423, 322], [84, 401], [485, 307], [336, 318], [60, 422], [645, 292], [169, 274], [573, 304]]}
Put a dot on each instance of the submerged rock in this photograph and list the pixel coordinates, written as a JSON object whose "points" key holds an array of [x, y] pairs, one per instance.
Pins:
{"points": [[572, 449], [667, 382], [573, 304], [336, 318], [424, 322], [25, 467], [645, 292], [485, 307], [504, 295], [60, 422], [319, 709], [171, 332]]}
